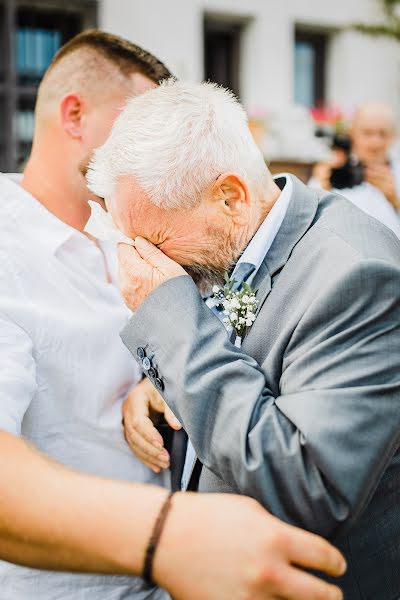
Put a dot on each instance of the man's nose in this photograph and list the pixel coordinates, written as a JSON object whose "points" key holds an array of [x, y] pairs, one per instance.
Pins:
{"points": [[377, 143]]}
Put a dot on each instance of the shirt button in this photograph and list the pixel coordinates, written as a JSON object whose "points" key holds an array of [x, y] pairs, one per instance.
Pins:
{"points": [[141, 353], [152, 373], [159, 384], [146, 363]]}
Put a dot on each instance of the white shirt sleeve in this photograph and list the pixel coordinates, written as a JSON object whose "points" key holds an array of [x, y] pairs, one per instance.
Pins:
{"points": [[17, 375]]}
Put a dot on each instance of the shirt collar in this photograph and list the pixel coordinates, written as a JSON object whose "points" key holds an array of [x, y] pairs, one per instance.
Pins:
{"points": [[26, 211], [262, 241]]}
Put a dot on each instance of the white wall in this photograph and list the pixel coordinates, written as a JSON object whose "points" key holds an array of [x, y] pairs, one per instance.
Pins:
{"points": [[171, 29], [359, 67], [363, 68]]}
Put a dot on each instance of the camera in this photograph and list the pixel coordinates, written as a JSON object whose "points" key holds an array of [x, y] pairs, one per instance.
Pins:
{"points": [[351, 172]]}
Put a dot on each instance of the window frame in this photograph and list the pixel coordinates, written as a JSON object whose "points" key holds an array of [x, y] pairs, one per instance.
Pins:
{"points": [[13, 91], [319, 42]]}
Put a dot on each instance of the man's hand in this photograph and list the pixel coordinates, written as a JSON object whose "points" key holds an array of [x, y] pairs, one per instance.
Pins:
{"points": [[142, 411], [228, 547], [382, 177], [143, 269], [322, 173]]}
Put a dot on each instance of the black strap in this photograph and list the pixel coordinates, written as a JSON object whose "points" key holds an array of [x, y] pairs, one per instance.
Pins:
{"points": [[193, 485], [177, 458]]}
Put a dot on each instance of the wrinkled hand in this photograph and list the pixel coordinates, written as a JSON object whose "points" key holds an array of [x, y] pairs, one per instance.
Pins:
{"points": [[142, 269], [229, 548], [382, 177], [141, 411]]}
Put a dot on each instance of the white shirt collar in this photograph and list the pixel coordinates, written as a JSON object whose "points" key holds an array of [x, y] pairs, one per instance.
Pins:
{"points": [[43, 225], [263, 239]]}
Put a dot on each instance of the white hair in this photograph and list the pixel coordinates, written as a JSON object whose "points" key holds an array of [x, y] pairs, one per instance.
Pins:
{"points": [[175, 140]]}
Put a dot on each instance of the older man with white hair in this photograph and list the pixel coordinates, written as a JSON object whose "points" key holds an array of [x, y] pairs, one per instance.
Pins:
{"points": [[297, 406], [372, 135]]}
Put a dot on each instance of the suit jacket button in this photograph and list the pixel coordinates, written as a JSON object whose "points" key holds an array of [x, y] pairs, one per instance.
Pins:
{"points": [[159, 384], [141, 353], [146, 363], [152, 373]]}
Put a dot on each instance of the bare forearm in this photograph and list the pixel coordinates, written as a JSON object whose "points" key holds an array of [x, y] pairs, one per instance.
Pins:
{"points": [[53, 518], [56, 519]]}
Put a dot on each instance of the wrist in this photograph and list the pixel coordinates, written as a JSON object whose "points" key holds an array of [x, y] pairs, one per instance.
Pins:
{"points": [[130, 548], [168, 560], [154, 541]]}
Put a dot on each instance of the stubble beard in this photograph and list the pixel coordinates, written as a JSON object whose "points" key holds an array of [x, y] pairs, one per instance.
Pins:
{"points": [[215, 265]]}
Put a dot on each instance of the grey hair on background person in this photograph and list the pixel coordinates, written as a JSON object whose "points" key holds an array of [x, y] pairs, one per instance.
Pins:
{"points": [[175, 140]]}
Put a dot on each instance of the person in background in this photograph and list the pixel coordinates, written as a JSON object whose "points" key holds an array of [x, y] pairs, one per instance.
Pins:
{"points": [[212, 546], [368, 176]]}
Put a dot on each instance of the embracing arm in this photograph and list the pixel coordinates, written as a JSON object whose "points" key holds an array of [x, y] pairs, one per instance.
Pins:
{"points": [[314, 455], [54, 518]]}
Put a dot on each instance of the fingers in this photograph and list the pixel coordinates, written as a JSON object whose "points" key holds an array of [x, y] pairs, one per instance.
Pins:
{"points": [[157, 259], [151, 454], [136, 409], [298, 585], [171, 419], [128, 256], [143, 427], [141, 434], [150, 253], [313, 552]]}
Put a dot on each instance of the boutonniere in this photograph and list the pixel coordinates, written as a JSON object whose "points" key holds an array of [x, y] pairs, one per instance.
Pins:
{"points": [[239, 306]]}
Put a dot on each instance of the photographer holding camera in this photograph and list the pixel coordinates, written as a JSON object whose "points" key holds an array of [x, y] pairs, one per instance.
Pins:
{"points": [[360, 167]]}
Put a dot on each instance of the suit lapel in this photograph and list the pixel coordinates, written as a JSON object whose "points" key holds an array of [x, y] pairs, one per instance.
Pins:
{"points": [[298, 220], [262, 283]]}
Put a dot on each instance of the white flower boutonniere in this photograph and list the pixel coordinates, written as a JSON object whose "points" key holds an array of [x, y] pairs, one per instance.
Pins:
{"points": [[239, 307]]}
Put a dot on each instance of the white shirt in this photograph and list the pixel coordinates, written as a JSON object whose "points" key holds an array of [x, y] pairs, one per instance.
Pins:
{"points": [[371, 200], [64, 370], [254, 254]]}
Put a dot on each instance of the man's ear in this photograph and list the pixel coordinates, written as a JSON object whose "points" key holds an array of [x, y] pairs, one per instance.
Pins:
{"points": [[71, 112], [232, 191]]}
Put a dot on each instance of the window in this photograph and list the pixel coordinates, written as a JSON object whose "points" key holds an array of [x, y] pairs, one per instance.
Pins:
{"points": [[30, 37], [222, 53], [309, 68]]}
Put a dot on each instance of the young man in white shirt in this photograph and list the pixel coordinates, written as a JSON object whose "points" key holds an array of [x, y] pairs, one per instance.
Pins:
{"points": [[65, 372]]}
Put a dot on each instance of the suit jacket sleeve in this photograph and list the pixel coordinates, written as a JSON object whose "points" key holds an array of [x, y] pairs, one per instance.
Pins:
{"points": [[314, 455]]}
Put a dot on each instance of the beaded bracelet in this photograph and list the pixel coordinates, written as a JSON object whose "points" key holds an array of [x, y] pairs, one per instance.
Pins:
{"points": [[154, 540]]}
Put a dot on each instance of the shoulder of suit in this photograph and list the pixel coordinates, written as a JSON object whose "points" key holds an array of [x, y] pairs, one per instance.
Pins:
{"points": [[339, 223]]}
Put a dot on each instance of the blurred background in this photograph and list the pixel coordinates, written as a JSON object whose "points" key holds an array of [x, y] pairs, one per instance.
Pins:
{"points": [[299, 67]]}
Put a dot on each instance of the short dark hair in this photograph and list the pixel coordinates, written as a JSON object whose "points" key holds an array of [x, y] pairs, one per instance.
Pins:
{"points": [[128, 57]]}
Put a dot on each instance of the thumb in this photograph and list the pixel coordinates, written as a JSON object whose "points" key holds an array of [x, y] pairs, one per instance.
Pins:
{"points": [[171, 419]]}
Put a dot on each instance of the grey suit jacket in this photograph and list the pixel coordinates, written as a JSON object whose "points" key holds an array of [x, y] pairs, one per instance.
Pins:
{"points": [[305, 417]]}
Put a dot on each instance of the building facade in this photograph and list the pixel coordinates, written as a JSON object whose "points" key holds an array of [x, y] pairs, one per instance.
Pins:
{"points": [[274, 54], [272, 37]]}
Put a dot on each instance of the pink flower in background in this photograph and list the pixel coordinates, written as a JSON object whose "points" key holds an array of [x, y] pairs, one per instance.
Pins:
{"points": [[329, 117]]}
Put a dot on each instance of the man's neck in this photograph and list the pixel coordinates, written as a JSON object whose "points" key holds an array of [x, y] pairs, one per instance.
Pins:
{"points": [[266, 205], [64, 195]]}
